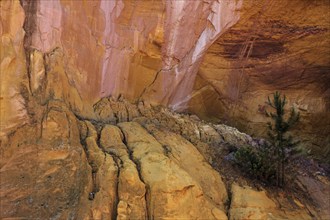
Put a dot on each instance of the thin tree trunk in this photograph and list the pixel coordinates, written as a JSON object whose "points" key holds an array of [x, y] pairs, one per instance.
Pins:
{"points": [[283, 168], [277, 168]]}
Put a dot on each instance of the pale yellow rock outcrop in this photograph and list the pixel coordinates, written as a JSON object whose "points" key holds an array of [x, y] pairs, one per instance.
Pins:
{"points": [[190, 159], [171, 191], [127, 171], [131, 190]]}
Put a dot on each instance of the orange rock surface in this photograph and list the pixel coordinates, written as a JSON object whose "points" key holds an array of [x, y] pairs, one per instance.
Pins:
{"points": [[217, 59], [73, 146]]}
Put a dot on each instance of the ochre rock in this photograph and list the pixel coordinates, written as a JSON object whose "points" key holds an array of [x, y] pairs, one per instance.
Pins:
{"points": [[43, 175], [111, 140], [172, 192], [131, 190], [279, 45], [190, 159], [64, 167], [247, 203], [69, 150], [105, 46], [13, 72], [104, 203], [217, 59]]}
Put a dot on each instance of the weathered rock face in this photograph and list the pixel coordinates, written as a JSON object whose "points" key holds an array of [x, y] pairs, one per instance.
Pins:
{"points": [[251, 204], [172, 189], [103, 48], [68, 153], [44, 169], [62, 167], [13, 74], [108, 44], [275, 46], [217, 59]]}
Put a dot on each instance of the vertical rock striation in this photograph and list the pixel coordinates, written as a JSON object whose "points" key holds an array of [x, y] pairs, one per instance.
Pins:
{"points": [[13, 75], [218, 59], [184, 47], [107, 45]]}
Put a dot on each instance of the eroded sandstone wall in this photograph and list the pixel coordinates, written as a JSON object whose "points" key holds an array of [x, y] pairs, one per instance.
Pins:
{"points": [[13, 74], [135, 162], [218, 59], [276, 46], [132, 48], [109, 46]]}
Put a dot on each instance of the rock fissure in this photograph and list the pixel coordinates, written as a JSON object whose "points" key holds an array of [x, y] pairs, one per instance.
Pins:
{"points": [[89, 133], [118, 162], [29, 26], [138, 167], [149, 86], [92, 192]]}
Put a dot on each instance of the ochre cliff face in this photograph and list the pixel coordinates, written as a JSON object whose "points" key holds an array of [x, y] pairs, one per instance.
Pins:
{"points": [[117, 47], [217, 59], [275, 46], [100, 48], [13, 68], [74, 146], [184, 47]]}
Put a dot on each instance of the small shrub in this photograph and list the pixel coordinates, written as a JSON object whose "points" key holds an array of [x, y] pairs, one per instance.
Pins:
{"points": [[257, 162]]}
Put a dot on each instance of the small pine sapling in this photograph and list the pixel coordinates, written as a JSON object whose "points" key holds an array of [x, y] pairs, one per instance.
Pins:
{"points": [[284, 146]]}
